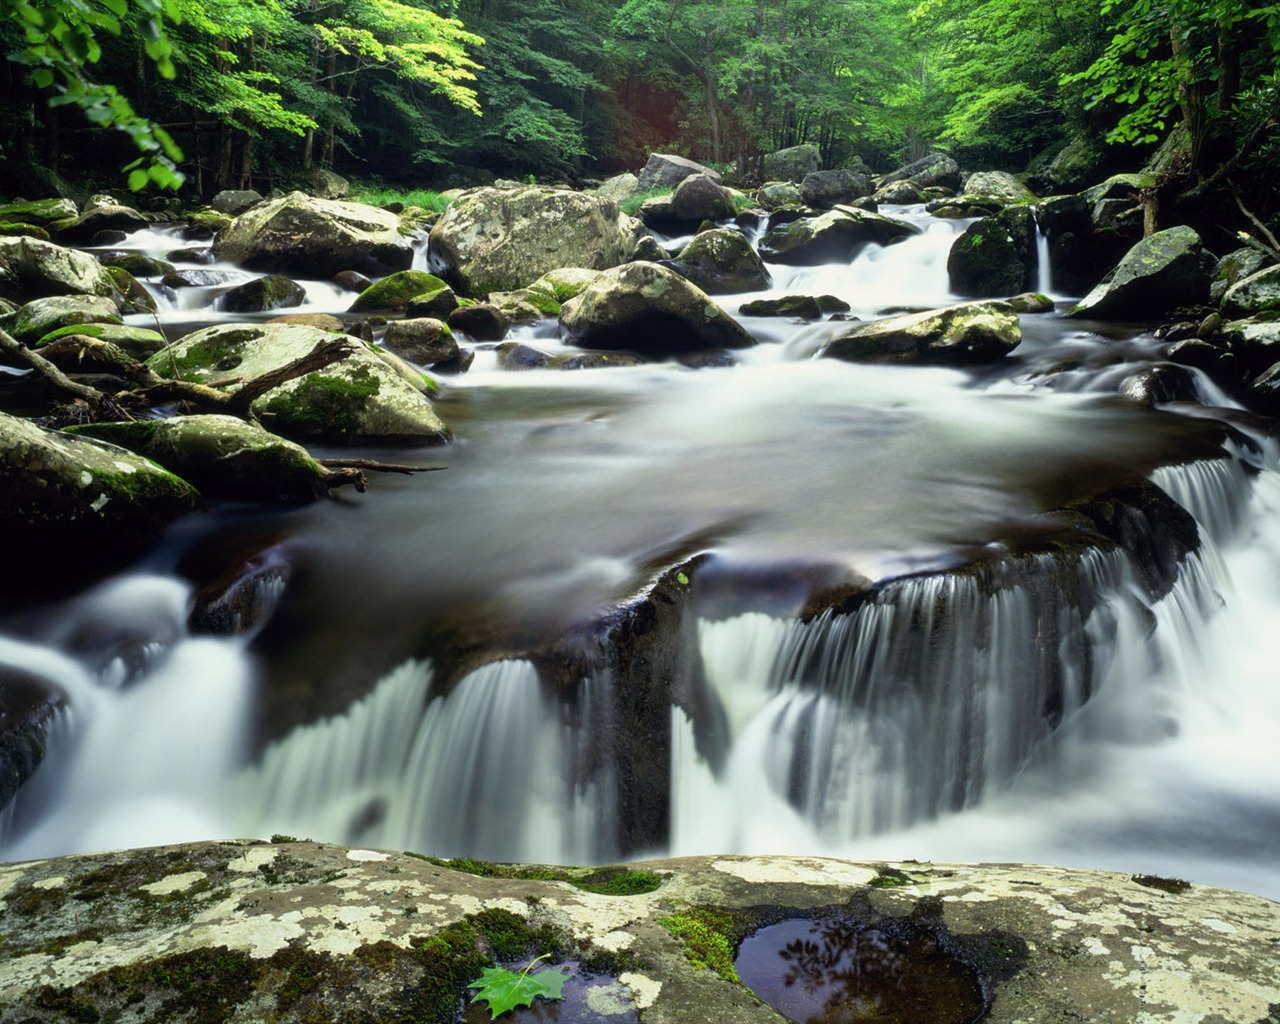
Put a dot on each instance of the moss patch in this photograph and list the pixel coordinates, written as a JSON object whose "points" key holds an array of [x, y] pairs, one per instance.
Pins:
{"points": [[710, 936], [321, 405], [609, 881]]}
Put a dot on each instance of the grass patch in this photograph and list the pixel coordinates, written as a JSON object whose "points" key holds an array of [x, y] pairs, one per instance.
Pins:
{"points": [[425, 198], [610, 881], [710, 937], [632, 205]]}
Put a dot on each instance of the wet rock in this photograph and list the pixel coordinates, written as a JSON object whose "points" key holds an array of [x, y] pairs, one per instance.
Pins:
{"points": [[275, 291], [830, 237], [41, 317], [826, 189], [195, 254], [1256, 343], [648, 309], [196, 278], [396, 291], [138, 264], [233, 202], [223, 456], [480, 322], [31, 269], [1252, 295], [438, 303], [792, 164], [139, 342], [515, 356], [314, 238], [1222, 367], [1031, 302], [805, 307], [108, 237], [1158, 385], [712, 359], [998, 185], [722, 262], [422, 340], [48, 214], [994, 256], [351, 281], [243, 591], [700, 198], [664, 170], [648, 250], [27, 706], [324, 321], [501, 239], [903, 193], [1169, 269], [973, 332], [595, 361], [360, 399]]}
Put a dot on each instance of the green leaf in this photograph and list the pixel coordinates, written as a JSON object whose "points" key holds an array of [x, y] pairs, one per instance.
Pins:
{"points": [[138, 180], [504, 989], [42, 77]]}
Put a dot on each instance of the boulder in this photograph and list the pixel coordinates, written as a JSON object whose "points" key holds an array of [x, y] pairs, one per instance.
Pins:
{"points": [[481, 321], [972, 332], [27, 706], [40, 317], [775, 195], [439, 302], [831, 237], [825, 189], [1255, 294], [136, 263], [514, 356], [139, 342], [314, 238], [1254, 343], [351, 281], [1233, 268], [803, 307], [191, 254], [900, 193], [998, 185], [421, 340], [1169, 269], [1031, 302], [362, 399], [501, 239], [322, 183], [792, 164], [66, 500], [994, 256], [233, 202], [275, 291], [325, 321], [223, 456], [722, 262], [649, 309], [31, 269], [191, 278], [396, 291], [103, 213], [663, 170], [48, 214], [935, 169], [1073, 166], [699, 197], [618, 188]]}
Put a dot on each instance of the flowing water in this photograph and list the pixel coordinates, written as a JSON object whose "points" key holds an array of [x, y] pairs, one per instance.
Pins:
{"points": [[1062, 716]]}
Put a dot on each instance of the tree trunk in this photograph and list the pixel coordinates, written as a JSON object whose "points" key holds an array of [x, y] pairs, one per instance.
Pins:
{"points": [[1191, 95]]}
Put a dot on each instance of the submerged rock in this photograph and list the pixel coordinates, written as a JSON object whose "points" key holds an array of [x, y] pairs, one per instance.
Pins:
{"points": [[1169, 269], [314, 238], [972, 332], [649, 309]]}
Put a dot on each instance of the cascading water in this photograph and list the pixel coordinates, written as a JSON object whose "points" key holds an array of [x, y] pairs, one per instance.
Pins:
{"points": [[1052, 713]]}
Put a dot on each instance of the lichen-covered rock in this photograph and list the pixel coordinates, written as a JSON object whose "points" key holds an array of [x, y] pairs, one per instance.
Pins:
{"points": [[994, 256], [722, 262], [1255, 343], [1233, 268], [103, 213], [830, 237], [902, 193], [223, 456], [235, 201], [972, 332], [40, 317], [422, 340], [999, 185], [139, 342], [314, 238], [501, 239], [618, 188], [650, 309], [63, 499], [323, 183], [274, 291], [701, 198], [1255, 294], [396, 291], [935, 169], [665, 170], [825, 189], [439, 302], [31, 269], [362, 399], [775, 195], [792, 164], [1031, 302], [1169, 269]]}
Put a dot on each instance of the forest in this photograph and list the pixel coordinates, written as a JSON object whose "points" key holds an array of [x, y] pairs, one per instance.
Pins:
{"points": [[223, 94]]}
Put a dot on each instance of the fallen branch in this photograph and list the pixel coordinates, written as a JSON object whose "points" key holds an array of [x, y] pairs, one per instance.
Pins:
{"points": [[377, 467], [340, 477], [1271, 238], [52, 375], [324, 354]]}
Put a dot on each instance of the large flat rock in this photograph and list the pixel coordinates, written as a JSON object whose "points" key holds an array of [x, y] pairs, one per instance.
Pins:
{"points": [[303, 931]]}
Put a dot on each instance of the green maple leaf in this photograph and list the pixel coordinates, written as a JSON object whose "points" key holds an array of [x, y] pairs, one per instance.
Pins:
{"points": [[504, 990]]}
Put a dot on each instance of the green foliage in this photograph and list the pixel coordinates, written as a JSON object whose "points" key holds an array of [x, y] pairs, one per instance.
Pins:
{"points": [[631, 205], [385, 196], [504, 989], [710, 937]]}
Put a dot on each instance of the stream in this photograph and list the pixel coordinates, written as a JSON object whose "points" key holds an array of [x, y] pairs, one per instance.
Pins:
{"points": [[915, 728]]}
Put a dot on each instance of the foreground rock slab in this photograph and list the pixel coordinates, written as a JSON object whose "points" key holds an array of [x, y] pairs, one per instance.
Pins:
{"points": [[294, 931]]}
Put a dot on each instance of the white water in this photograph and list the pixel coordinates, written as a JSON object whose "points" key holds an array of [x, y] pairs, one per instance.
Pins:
{"points": [[852, 736]]}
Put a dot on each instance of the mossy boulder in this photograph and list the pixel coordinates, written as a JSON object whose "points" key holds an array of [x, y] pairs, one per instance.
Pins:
{"points": [[775, 195], [1169, 269], [223, 456], [805, 307], [362, 399], [994, 256], [40, 317], [722, 262], [934, 169], [649, 309], [666, 170], [902, 193], [422, 340], [501, 239], [480, 321], [139, 342], [998, 185], [45, 213], [793, 163], [68, 504], [826, 189], [131, 296], [970, 333], [136, 263], [314, 238], [1255, 343], [31, 269], [439, 302], [274, 291], [1255, 294], [831, 237], [1233, 268], [396, 291], [700, 198]]}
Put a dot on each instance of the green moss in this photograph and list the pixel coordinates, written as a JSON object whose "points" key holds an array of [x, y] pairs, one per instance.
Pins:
{"points": [[11, 229], [395, 291], [326, 406], [202, 986], [32, 902], [542, 299], [632, 205], [134, 434], [211, 219], [619, 882], [710, 937], [1174, 886], [888, 878], [611, 881], [510, 937]]}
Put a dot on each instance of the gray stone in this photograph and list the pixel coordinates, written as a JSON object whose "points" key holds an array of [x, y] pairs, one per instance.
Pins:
{"points": [[830, 237], [314, 238], [1169, 269], [665, 170], [275, 291], [825, 189], [323, 184], [935, 169], [501, 239], [901, 193], [698, 198], [994, 256], [139, 342], [235, 201], [31, 269], [482, 321], [774, 195], [422, 340], [618, 188], [1257, 293], [722, 262], [997, 185], [40, 317], [792, 164], [973, 332], [1233, 268], [650, 309]]}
